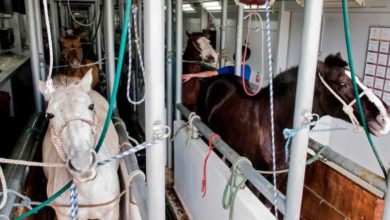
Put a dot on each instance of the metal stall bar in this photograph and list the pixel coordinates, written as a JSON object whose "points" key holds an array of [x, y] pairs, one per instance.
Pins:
{"points": [[169, 80], [352, 167], [54, 30], [99, 34], [109, 32], [179, 52], [24, 150], [154, 105], [303, 105], [257, 180], [138, 186], [386, 208], [38, 30], [34, 57], [223, 30], [240, 22]]}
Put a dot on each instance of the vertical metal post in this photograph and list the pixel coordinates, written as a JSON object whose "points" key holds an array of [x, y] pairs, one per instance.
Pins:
{"points": [[240, 20], [303, 105], [38, 29], [223, 31], [179, 51], [99, 34], [386, 208], [121, 11], [109, 43], [54, 30], [154, 105], [169, 79], [140, 22], [62, 18], [283, 38], [33, 53]]}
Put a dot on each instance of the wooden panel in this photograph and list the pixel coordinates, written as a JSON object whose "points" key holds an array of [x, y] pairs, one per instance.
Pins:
{"points": [[327, 192]]}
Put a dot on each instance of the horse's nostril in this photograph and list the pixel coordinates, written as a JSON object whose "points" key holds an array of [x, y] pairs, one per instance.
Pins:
{"points": [[70, 166]]}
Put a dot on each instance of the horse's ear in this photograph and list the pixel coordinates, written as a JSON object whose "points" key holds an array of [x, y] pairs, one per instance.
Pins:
{"points": [[321, 68], [188, 34], [62, 39], [86, 82], [42, 89], [78, 38], [335, 60]]}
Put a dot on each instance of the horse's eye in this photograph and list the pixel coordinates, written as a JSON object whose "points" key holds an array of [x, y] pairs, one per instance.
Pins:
{"points": [[49, 115], [342, 85], [91, 107]]}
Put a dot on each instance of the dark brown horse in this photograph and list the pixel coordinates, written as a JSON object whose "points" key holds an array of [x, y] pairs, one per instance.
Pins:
{"points": [[198, 50], [72, 54], [244, 122]]}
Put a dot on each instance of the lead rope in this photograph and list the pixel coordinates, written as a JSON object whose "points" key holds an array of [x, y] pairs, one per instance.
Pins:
{"points": [[136, 40], [271, 95]]}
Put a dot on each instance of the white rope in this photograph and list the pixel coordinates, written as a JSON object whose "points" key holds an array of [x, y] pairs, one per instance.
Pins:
{"points": [[271, 94], [75, 20], [261, 27], [135, 9], [347, 108], [4, 187], [49, 82]]}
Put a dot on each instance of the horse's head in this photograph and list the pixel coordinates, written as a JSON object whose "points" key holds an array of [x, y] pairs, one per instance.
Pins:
{"points": [[72, 51], [73, 125], [199, 48], [337, 99]]}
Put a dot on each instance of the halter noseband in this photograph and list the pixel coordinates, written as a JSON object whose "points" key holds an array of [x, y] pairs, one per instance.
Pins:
{"points": [[347, 108], [56, 138]]}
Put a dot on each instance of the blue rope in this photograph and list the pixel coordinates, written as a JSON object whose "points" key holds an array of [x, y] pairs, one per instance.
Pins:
{"points": [[74, 207], [271, 95], [290, 133]]}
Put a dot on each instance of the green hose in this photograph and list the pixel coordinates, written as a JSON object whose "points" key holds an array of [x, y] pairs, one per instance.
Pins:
{"points": [[109, 113], [355, 88]]}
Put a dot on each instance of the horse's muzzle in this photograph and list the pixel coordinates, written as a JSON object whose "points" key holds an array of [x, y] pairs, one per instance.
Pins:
{"points": [[83, 166], [380, 126]]}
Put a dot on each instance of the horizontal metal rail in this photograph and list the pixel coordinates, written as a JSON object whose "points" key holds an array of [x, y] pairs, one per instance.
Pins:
{"points": [[138, 186], [352, 167], [24, 149], [256, 179]]}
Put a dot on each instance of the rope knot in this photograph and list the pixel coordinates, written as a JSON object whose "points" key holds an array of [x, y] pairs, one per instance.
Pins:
{"points": [[289, 133]]}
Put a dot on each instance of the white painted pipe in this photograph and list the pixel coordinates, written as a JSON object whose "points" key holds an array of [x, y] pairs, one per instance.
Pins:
{"points": [[303, 105], [109, 32], [99, 34], [240, 20], [154, 105], [223, 31], [179, 54], [34, 58]]}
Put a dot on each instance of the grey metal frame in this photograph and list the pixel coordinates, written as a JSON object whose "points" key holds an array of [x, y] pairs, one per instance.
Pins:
{"points": [[24, 149], [138, 185], [169, 90], [38, 29], [240, 24], [223, 30], [257, 180], [179, 51]]}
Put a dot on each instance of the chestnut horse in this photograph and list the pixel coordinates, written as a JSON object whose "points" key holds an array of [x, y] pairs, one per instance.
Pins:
{"points": [[72, 53], [244, 121], [197, 55]]}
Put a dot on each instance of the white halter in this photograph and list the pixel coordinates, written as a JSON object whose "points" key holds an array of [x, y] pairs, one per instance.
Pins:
{"points": [[347, 108]]}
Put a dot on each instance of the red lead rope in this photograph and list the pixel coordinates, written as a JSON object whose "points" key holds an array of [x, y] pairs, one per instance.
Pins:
{"points": [[204, 179]]}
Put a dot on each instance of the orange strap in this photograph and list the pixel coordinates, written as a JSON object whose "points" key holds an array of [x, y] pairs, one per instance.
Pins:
{"points": [[204, 179]]}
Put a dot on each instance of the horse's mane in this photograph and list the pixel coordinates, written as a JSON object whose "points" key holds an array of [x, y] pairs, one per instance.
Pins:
{"points": [[63, 81]]}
